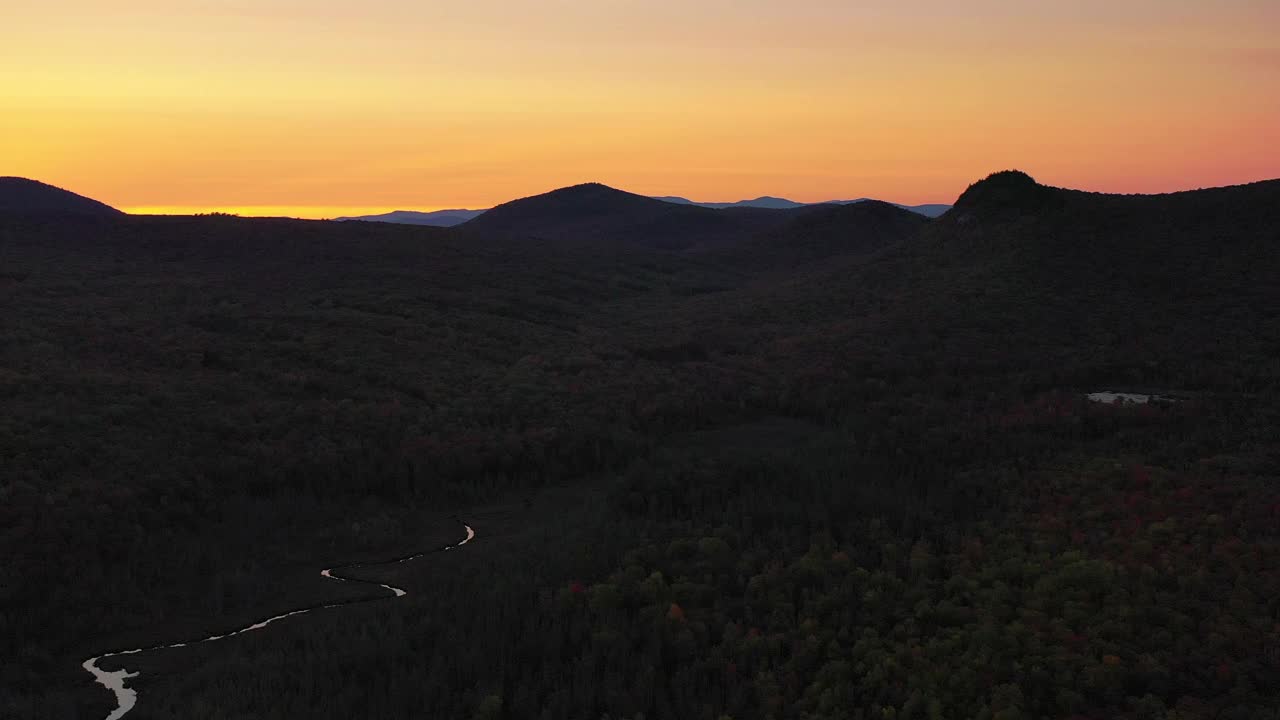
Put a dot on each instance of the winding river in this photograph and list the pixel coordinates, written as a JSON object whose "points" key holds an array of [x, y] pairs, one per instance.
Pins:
{"points": [[117, 681]]}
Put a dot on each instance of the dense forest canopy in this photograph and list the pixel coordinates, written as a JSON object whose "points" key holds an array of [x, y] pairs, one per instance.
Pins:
{"points": [[835, 462]]}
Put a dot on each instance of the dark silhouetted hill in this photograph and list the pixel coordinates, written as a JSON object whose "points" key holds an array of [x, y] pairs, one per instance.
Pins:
{"points": [[598, 212], [20, 196], [824, 232], [777, 203], [1176, 290], [1073, 236]]}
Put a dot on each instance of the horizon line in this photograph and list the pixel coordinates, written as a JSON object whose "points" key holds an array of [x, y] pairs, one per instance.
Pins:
{"points": [[304, 211]]}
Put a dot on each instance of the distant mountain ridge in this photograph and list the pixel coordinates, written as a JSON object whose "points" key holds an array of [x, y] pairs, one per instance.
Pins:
{"points": [[776, 203], [593, 211], [764, 201], [437, 218], [450, 218], [822, 233], [21, 196]]}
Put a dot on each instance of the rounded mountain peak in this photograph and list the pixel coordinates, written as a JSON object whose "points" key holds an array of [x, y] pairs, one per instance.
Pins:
{"points": [[1008, 189]]}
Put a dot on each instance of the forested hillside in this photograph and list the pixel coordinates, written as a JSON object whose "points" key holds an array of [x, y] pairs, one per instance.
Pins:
{"points": [[600, 213], [841, 466]]}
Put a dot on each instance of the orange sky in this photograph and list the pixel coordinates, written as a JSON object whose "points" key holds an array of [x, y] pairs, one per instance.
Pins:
{"points": [[319, 108]]}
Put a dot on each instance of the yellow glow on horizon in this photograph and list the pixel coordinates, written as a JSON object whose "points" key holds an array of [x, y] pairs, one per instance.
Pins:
{"points": [[327, 108], [302, 212]]}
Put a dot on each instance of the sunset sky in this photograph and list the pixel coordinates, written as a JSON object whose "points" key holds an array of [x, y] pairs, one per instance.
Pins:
{"points": [[319, 108]]}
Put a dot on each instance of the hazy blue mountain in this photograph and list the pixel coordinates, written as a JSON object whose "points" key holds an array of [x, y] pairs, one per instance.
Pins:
{"points": [[438, 218], [932, 210], [777, 203], [765, 201]]}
